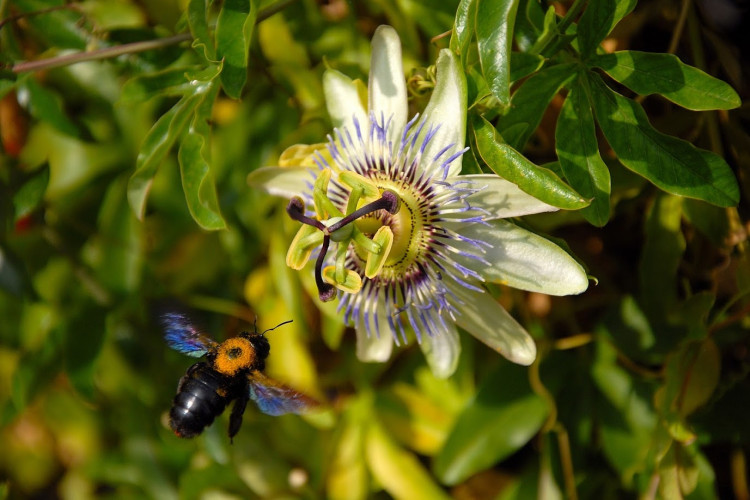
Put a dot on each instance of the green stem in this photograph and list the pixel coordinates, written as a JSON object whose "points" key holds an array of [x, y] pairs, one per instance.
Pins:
{"points": [[541, 45], [573, 13]]}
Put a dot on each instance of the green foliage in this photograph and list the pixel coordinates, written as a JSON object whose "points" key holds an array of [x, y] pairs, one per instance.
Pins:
{"points": [[123, 187]]}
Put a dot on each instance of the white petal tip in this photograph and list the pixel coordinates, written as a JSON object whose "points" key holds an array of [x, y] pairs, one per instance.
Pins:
{"points": [[524, 357], [374, 349]]}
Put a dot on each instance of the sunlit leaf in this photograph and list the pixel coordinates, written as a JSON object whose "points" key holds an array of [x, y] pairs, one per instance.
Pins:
{"points": [[399, 472], [162, 136], [578, 151], [678, 473], [674, 165], [171, 82], [463, 27], [347, 476], [503, 417], [513, 166], [195, 169], [234, 32], [652, 73], [494, 29], [72, 162], [414, 419]]}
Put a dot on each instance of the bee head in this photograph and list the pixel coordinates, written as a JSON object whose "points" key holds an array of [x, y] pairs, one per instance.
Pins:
{"points": [[260, 344], [262, 348]]}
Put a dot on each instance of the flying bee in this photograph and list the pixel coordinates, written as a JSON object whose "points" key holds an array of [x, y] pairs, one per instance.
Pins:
{"points": [[232, 371]]}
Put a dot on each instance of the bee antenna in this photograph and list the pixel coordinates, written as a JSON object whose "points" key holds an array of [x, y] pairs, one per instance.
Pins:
{"points": [[275, 327]]}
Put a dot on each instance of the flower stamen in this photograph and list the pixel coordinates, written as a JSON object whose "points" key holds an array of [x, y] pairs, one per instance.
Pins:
{"points": [[341, 230]]}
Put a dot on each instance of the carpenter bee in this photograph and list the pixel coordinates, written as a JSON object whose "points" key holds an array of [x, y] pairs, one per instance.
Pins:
{"points": [[233, 370]]}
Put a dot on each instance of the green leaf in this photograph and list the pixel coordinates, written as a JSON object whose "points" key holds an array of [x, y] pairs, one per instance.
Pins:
{"points": [[31, 194], [59, 28], [710, 220], [347, 475], [678, 472], [168, 83], [578, 151], [413, 418], [502, 418], [529, 102], [662, 253], [626, 415], [8, 83], [494, 28], [691, 377], [523, 64], [195, 169], [650, 73], [155, 147], [463, 28], [674, 165], [84, 337], [47, 106], [598, 20], [196, 15], [398, 471], [548, 27], [234, 32], [118, 266], [513, 166], [162, 137]]}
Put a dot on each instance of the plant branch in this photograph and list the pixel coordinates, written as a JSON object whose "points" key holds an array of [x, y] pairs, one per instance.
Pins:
{"points": [[128, 48], [109, 52]]}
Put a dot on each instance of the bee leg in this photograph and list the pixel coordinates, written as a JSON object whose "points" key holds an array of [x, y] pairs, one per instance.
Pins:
{"points": [[235, 419]]}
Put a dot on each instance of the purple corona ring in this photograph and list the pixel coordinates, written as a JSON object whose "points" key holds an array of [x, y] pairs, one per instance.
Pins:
{"points": [[401, 239]]}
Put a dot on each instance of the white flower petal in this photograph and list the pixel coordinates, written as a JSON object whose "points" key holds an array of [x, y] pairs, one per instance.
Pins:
{"points": [[281, 181], [387, 86], [483, 317], [522, 259], [441, 351], [342, 100], [447, 108], [377, 347], [503, 199]]}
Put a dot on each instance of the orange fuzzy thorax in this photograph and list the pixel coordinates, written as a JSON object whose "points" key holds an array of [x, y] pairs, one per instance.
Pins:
{"points": [[233, 355]]}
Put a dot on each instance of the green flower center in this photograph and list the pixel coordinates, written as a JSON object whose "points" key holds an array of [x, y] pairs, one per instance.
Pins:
{"points": [[408, 228]]}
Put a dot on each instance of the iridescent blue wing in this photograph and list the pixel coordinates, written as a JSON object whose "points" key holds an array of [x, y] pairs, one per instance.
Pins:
{"points": [[274, 398], [181, 335]]}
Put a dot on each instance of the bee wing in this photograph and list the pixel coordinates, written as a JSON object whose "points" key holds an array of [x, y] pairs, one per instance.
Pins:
{"points": [[274, 398], [181, 335]]}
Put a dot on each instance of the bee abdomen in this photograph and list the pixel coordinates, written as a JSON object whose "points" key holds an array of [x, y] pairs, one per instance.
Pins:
{"points": [[200, 398]]}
